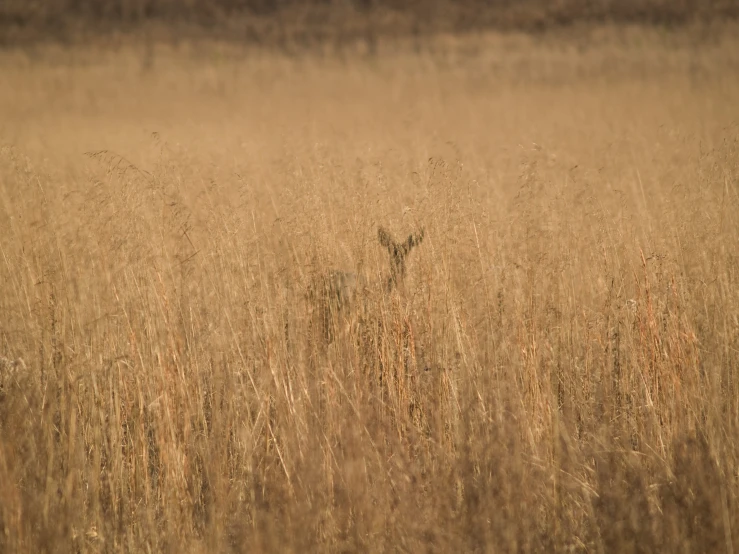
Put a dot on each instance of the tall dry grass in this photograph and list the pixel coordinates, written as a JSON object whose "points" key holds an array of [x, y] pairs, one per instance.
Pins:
{"points": [[559, 373]]}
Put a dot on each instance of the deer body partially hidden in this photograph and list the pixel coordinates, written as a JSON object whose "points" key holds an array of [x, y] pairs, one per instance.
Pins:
{"points": [[335, 294]]}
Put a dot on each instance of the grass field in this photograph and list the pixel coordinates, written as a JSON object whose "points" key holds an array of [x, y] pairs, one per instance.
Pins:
{"points": [[557, 372]]}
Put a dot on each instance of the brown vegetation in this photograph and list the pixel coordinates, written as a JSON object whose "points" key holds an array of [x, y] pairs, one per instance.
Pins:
{"points": [[559, 373]]}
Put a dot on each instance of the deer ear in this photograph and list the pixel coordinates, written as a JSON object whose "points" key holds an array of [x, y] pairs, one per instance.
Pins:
{"points": [[384, 237]]}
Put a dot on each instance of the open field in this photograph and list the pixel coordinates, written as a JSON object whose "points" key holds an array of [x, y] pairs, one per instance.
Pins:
{"points": [[558, 370]]}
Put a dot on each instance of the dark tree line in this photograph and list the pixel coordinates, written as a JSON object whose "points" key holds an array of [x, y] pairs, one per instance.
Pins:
{"points": [[327, 17]]}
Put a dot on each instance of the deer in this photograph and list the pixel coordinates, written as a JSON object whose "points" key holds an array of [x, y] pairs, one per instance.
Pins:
{"points": [[336, 293]]}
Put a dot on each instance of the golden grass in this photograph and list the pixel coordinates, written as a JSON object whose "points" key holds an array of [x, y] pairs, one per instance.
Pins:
{"points": [[559, 374]]}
